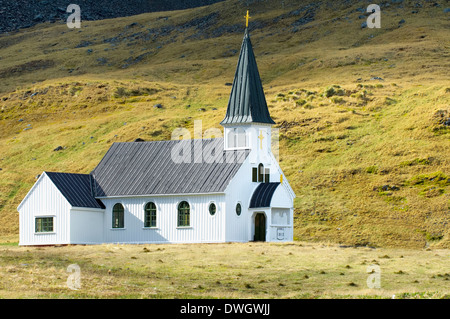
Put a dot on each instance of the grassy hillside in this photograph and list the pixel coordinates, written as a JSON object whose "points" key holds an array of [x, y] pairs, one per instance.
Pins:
{"points": [[363, 113]]}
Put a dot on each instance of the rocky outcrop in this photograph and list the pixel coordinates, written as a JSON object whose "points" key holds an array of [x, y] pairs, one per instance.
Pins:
{"points": [[19, 14]]}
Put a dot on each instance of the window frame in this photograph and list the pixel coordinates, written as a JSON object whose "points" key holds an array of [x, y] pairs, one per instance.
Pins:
{"points": [[237, 138], [260, 173], [36, 231], [266, 175], [181, 223], [255, 174], [120, 217], [215, 209], [152, 218], [238, 204]]}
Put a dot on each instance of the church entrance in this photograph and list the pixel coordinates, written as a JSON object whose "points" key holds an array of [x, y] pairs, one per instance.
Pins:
{"points": [[260, 227]]}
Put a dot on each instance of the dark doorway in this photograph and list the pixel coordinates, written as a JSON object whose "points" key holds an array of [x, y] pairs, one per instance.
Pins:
{"points": [[260, 227]]}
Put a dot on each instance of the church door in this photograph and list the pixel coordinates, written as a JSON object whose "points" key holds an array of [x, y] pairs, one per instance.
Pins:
{"points": [[260, 227]]}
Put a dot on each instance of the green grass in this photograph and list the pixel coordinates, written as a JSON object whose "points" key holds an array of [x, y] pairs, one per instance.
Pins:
{"points": [[241, 271]]}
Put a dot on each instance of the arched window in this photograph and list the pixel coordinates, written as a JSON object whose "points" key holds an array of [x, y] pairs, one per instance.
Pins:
{"points": [[183, 214], [241, 138], [261, 173], [150, 215], [232, 139], [237, 137], [118, 216]]}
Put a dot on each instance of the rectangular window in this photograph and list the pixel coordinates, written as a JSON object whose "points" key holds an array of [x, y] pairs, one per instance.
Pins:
{"points": [[44, 224], [267, 175], [254, 174], [118, 220]]}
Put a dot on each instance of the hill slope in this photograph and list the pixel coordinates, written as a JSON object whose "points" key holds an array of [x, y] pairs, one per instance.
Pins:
{"points": [[363, 114]]}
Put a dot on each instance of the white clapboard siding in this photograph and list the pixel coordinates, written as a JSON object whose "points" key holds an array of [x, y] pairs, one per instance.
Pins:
{"points": [[44, 200], [239, 190], [204, 227], [86, 225]]}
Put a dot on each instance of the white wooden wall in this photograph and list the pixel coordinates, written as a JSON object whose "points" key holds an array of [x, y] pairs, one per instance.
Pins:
{"points": [[44, 200], [204, 228], [86, 225], [241, 188]]}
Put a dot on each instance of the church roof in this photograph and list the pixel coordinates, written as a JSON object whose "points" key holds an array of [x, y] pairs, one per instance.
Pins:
{"points": [[148, 168], [76, 188], [247, 103], [262, 196]]}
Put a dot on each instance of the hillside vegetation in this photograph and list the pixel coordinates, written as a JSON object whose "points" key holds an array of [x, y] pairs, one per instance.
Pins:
{"points": [[363, 114]]}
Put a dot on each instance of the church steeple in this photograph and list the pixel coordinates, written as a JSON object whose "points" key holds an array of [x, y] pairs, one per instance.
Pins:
{"points": [[247, 103]]}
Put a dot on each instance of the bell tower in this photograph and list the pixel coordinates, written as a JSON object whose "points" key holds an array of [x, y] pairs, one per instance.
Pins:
{"points": [[247, 123]]}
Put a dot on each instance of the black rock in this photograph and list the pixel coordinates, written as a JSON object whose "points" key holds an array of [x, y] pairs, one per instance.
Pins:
{"points": [[139, 140], [158, 106], [20, 14], [59, 148], [38, 18]]}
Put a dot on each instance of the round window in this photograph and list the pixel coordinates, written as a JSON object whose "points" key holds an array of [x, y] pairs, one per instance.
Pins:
{"points": [[238, 209], [212, 209]]}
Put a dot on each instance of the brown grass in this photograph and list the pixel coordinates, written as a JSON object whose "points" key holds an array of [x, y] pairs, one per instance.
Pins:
{"points": [[253, 270]]}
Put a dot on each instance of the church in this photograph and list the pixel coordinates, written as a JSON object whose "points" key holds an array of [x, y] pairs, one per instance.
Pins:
{"points": [[217, 190]]}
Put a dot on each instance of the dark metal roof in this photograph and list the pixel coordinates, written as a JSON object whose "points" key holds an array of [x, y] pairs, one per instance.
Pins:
{"points": [[146, 168], [76, 188], [262, 196], [247, 102]]}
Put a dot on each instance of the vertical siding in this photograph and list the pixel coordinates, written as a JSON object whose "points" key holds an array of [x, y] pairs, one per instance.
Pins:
{"points": [[203, 227], [239, 190], [44, 199], [86, 226]]}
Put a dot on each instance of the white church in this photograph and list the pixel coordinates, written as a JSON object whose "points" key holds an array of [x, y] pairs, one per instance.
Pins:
{"points": [[229, 189]]}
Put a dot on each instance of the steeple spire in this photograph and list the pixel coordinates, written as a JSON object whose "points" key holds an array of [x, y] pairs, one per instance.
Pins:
{"points": [[247, 103]]}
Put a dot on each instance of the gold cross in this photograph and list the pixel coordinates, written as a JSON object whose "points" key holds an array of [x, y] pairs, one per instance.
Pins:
{"points": [[246, 19], [261, 138]]}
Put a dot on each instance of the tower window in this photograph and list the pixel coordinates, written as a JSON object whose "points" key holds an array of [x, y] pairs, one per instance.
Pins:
{"points": [[237, 137], [254, 174], [260, 173]]}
